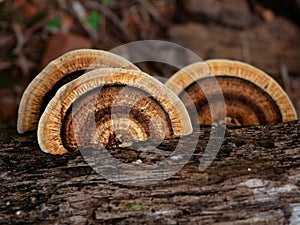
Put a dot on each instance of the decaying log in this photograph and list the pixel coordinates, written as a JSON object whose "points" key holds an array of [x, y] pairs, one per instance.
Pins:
{"points": [[254, 179]]}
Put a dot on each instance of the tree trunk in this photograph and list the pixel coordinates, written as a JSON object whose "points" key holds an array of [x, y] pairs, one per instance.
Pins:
{"points": [[253, 180]]}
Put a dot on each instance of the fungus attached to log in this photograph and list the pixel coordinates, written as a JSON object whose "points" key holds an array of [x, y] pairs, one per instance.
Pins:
{"points": [[58, 72], [251, 96], [108, 107]]}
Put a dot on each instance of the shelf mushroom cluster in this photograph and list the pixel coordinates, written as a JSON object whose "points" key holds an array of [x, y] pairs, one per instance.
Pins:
{"points": [[94, 98]]}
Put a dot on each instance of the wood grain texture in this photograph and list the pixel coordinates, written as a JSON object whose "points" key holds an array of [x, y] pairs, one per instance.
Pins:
{"points": [[253, 180]]}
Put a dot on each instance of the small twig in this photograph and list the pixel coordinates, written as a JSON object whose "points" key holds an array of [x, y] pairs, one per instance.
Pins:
{"points": [[81, 15], [20, 38], [145, 16], [245, 47], [153, 12], [286, 79], [24, 64], [109, 14]]}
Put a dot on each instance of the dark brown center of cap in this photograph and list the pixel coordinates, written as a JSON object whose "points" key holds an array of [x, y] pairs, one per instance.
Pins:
{"points": [[113, 114], [246, 103]]}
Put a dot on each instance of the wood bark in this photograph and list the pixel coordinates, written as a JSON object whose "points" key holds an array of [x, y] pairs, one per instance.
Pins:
{"points": [[253, 180]]}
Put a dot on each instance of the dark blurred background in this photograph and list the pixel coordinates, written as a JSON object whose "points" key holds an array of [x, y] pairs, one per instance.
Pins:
{"points": [[264, 33]]}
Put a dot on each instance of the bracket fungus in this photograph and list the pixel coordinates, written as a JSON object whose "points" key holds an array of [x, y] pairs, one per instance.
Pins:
{"points": [[251, 96], [94, 99], [108, 107], [58, 72]]}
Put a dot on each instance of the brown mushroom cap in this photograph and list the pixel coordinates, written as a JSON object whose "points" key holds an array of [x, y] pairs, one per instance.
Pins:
{"points": [[55, 74], [108, 107], [251, 96]]}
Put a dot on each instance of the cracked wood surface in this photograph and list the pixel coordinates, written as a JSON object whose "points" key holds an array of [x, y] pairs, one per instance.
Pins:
{"points": [[253, 180]]}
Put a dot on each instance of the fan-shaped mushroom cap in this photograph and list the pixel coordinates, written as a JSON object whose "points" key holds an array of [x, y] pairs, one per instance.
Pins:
{"points": [[55, 74], [108, 107], [251, 96]]}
